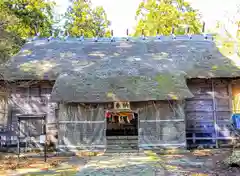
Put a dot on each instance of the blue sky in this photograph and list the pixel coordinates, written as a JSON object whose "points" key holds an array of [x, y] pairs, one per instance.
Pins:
{"points": [[122, 12]]}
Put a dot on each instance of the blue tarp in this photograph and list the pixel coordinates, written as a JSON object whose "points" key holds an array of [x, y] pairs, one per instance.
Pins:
{"points": [[236, 120]]}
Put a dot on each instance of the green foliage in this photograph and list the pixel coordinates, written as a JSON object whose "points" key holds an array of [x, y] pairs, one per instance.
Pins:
{"points": [[34, 16], [10, 42], [21, 19], [83, 19], [162, 15]]}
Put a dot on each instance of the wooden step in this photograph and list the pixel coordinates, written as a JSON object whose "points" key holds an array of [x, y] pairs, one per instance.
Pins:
{"points": [[121, 142], [132, 151], [122, 146], [121, 137]]}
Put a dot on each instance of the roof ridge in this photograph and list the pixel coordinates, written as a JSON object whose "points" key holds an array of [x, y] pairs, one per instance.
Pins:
{"points": [[196, 37]]}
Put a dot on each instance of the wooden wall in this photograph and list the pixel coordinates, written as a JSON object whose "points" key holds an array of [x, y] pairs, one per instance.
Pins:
{"points": [[29, 97], [3, 106], [208, 113], [161, 124], [82, 127]]}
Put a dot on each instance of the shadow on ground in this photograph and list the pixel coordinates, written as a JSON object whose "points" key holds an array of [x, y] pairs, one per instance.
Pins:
{"points": [[148, 163]]}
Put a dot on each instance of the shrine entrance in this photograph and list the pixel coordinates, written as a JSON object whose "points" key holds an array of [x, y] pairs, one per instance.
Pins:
{"points": [[121, 128], [121, 123]]}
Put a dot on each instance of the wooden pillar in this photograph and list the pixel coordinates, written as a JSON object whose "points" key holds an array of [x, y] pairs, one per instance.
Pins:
{"points": [[45, 142], [214, 114], [235, 87], [18, 138], [230, 94]]}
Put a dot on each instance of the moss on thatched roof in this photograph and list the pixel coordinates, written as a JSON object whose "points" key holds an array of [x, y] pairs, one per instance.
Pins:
{"points": [[95, 61], [42, 59], [74, 88]]}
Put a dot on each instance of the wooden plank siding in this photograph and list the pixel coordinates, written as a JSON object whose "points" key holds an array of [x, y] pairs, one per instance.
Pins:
{"points": [[209, 112], [29, 97], [161, 124]]}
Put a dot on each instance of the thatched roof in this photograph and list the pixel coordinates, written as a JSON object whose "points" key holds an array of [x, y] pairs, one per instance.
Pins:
{"points": [[74, 88], [95, 61]]}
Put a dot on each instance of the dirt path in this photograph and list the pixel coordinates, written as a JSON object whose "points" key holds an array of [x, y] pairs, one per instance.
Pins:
{"points": [[119, 165], [197, 163]]}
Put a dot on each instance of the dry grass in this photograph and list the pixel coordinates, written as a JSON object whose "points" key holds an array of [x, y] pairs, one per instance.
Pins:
{"points": [[29, 166], [11, 163], [203, 152]]}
